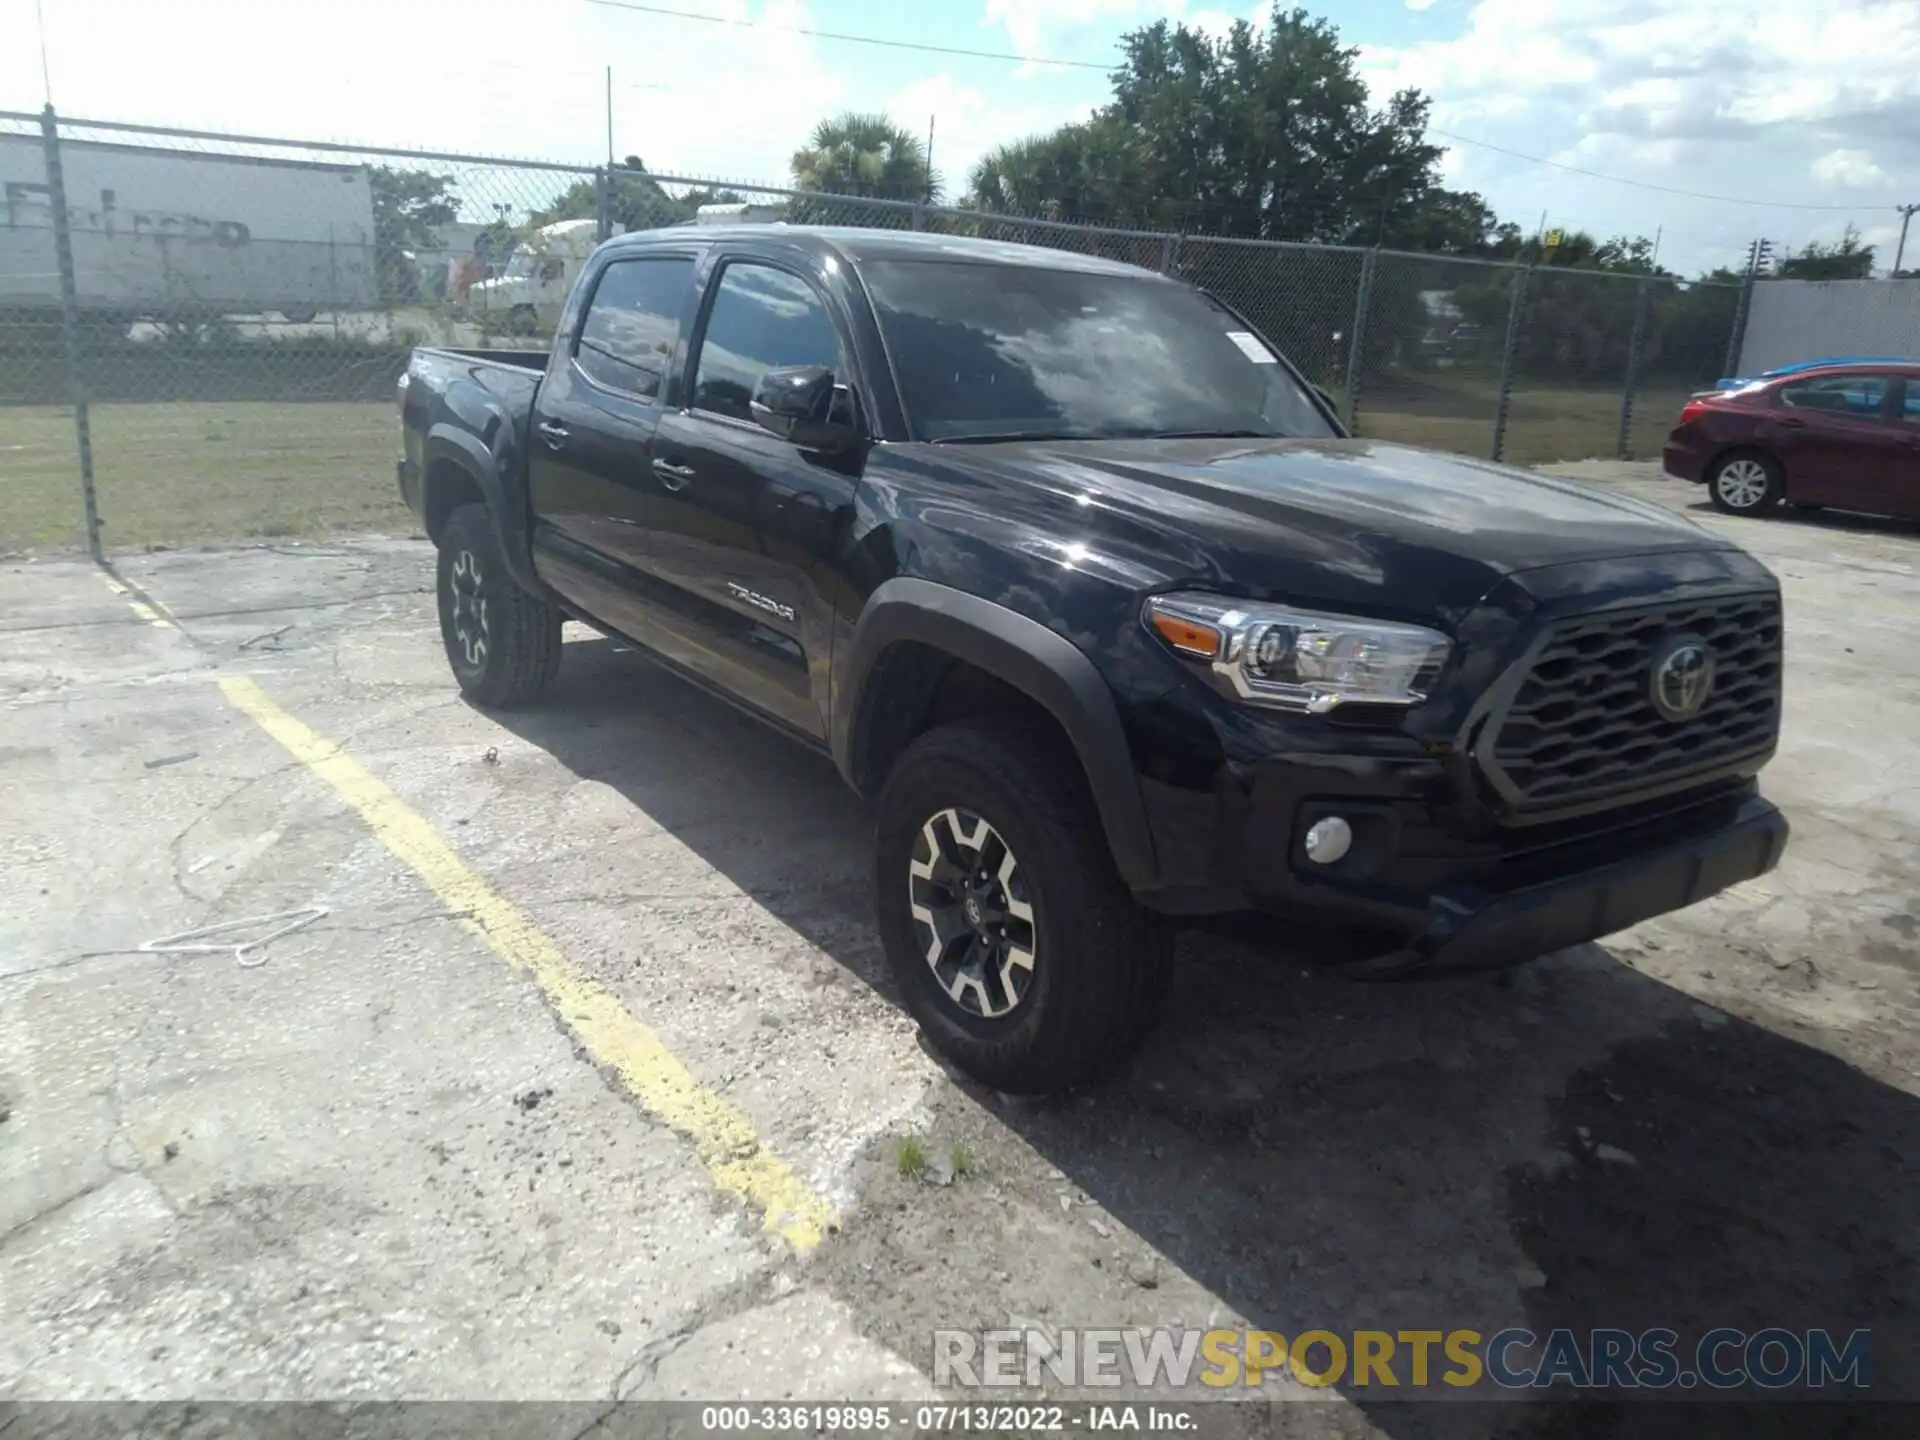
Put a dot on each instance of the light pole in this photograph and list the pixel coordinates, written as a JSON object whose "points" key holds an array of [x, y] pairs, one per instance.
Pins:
{"points": [[1906, 219]]}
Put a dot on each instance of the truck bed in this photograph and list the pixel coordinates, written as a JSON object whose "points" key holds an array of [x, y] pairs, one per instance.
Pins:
{"points": [[534, 360], [509, 378], [475, 392]]}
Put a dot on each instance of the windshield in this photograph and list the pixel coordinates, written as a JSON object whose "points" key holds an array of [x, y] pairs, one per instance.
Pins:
{"points": [[986, 352]]}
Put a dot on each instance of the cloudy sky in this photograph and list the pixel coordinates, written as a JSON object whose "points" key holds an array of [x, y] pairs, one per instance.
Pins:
{"points": [[1782, 118]]}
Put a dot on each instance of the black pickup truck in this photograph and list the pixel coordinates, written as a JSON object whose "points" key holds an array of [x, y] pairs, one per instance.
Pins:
{"points": [[1091, 595]]}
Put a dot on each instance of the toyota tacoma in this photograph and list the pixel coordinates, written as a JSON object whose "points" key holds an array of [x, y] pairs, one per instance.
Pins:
{"points": [[1094, 599]]}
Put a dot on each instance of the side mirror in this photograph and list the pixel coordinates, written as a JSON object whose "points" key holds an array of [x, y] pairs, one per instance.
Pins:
{"points": [[795, 402]]}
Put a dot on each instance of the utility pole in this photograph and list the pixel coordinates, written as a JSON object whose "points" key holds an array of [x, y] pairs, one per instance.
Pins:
{"points": [[1906, 219], [40, 27], [1759, 258], [609, 117]]}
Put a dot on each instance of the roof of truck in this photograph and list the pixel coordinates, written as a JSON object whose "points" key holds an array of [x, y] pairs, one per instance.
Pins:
{"points": [[857, 245]]}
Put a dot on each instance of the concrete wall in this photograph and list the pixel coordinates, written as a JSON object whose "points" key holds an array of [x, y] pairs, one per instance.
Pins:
{"points": [[1808, 319]]}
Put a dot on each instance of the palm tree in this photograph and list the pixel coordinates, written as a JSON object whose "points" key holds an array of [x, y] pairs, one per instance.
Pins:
{"points": [[1090, 170], [867, 155]]}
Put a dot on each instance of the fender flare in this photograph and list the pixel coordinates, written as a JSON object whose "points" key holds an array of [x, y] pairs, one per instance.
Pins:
{"points": [[452, 444], [1041, 663]]}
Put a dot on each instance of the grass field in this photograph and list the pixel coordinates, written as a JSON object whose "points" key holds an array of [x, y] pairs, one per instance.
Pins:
{"points": [[1543, 425], [169, 474], [178, 473]]}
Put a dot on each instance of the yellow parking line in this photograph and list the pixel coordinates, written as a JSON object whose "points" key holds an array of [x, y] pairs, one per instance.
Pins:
{"points": [[143, 605], [723, 1138]]}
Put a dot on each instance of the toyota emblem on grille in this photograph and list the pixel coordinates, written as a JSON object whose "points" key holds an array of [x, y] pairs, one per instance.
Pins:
{"points": [[1682, 677]]}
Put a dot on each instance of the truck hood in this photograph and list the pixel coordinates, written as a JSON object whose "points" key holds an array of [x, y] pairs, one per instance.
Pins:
{"points": [[1390, 527]]}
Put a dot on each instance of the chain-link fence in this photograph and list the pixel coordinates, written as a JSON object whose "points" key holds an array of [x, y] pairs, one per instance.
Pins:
{"points": [[200, 333]]}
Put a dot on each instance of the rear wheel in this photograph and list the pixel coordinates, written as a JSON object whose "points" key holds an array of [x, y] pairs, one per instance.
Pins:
{"points": [[1746, 482], [503, 644], [1014, 941]]}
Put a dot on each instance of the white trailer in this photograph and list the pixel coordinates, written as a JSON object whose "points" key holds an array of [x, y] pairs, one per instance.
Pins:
{"points": [[741, 213], [159, 233]]}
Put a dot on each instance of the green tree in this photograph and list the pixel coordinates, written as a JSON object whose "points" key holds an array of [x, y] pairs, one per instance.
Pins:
{"points": [[1451, 222], [1843, 259], [408, 205], [1085, 171], [1266, 132], [1691, 324], [865, 155], [639, 202], [1581, 305], [1575, 326], [1271, 132]]}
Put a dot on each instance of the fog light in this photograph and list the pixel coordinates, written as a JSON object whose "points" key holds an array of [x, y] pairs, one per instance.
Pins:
{"points": [[1328, 840]]}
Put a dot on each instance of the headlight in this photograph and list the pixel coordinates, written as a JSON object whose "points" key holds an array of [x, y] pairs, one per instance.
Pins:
{"points": [[1298, 659]]}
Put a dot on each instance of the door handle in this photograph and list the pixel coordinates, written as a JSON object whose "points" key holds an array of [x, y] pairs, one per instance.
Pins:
{"points": [[674, 477], [554, 435], [1790, 423]]}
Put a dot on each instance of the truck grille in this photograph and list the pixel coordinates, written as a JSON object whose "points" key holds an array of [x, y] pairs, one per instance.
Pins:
{"points": [[1583, 723]]}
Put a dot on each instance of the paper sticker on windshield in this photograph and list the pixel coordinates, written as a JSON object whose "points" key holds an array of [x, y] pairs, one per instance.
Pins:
{"points": [[1251, 347]]}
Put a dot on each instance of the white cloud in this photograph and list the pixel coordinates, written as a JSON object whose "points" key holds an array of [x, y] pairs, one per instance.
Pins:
{"points": [[1884, 235], [1741, 100], [1030, 24], [1845, 168], [1782, 100], [1421, 4], [480, 76], [968, 122], [1034, 26], [1217, 22]]}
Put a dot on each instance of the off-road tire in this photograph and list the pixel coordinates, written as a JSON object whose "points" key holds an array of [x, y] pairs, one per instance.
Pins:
{"points": [[1746, 482], [517, 653], [1100, 961]]}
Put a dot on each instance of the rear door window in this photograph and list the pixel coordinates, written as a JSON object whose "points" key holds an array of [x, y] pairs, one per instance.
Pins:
{"points": [[626, 339], [1909, 410], [1861, 396]]}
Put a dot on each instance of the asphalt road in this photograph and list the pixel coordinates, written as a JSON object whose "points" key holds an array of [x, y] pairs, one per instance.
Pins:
{"points": [[585, 1081]]}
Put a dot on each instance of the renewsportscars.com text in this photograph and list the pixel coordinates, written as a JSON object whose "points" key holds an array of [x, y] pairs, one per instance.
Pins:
{"points": [[1511, 1359]]}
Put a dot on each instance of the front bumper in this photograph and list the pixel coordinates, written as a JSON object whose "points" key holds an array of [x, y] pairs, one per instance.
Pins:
{"points": [[1469, 928], [1418, 895], [1452, 864]]}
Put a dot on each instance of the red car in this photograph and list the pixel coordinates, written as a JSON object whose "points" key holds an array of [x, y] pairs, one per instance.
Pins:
{"points": [[1841, 435]]}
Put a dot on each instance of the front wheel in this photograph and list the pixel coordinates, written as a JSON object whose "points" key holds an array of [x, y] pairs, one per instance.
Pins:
{"points": [[1746, 482], [503, 644], [1013, 939]]}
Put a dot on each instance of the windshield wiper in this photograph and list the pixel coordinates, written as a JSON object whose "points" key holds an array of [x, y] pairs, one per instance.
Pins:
{"points": [[996, 436], [1209, 435]]}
